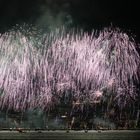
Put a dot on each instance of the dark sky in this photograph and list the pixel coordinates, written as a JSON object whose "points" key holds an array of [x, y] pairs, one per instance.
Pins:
{"points": [[87, 14]]}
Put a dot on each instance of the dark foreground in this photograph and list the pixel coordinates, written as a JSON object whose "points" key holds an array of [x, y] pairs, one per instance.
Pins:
{"points": [[71, 135]]}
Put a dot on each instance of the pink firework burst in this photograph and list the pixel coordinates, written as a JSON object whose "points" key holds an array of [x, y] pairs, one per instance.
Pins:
{"points": [[81, 64]]}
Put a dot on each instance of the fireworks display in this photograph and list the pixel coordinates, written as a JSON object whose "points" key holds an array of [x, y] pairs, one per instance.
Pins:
{"points": [[38, 73]]}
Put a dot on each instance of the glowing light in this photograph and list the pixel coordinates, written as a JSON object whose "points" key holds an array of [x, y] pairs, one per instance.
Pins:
{"points": [[81, 64]]}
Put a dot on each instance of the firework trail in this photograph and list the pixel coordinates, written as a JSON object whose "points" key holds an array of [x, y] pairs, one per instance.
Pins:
{"points": [[39, 73]]}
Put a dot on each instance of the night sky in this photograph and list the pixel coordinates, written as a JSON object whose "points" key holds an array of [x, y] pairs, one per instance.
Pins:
{"points": [[85, 14]]}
